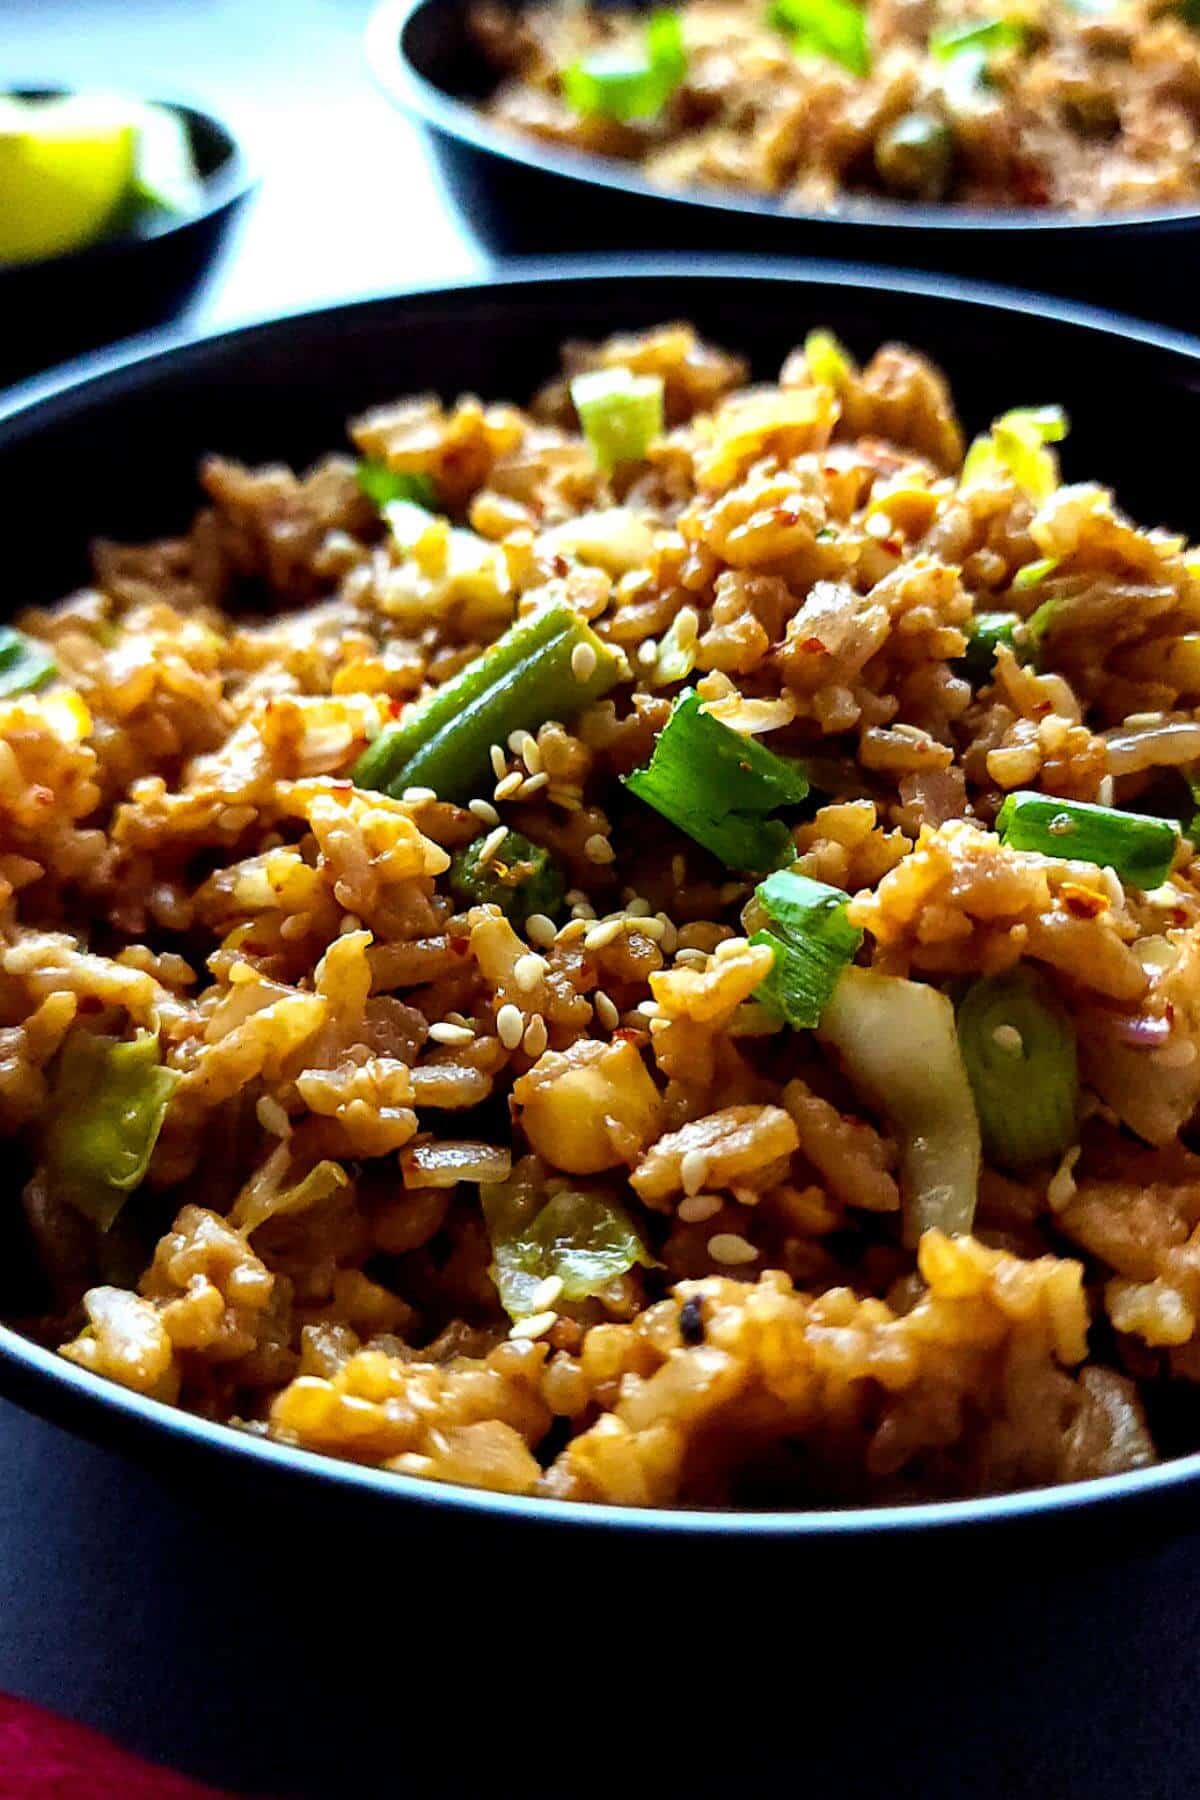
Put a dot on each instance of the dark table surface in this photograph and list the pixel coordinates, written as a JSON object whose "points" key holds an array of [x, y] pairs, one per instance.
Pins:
{"points": [[281, 1653]]}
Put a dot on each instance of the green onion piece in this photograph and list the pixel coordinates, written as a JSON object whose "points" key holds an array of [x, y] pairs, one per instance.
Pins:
{"points": [[833, 28], [382, 485], [813, 941], [621, 413], [584, 1238], [520, 878], [1191, 825], [1140, 848], [991, 34], [828, 359], [529, 675], [1016, 447], [25, 664], [106, 1111], [1021, 1061], [618, 83], [898, 1045], [985, 634], [719, 787], [1033, 574]]}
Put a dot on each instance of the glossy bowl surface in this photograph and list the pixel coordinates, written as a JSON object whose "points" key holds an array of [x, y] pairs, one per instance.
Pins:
{"points": [[133, 280], [138, 419], [524, 196]]}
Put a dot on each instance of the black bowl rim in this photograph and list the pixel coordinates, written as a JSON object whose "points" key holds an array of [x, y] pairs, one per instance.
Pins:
{"points": [[404, 83], [33, 1375], [229, 183]]}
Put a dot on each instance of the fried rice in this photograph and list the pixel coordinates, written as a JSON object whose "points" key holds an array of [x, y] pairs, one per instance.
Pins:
{"points": [[1087, 108], [472, 1135]]}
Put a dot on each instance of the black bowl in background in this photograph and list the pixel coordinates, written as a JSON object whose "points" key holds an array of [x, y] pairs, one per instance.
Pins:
{"points": [[135, 279], [138, 420], [524, 196]]}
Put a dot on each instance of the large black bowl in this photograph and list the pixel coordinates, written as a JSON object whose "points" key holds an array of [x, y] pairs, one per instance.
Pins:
{"points": [[137, 421], [522, 195], [132, 280]]}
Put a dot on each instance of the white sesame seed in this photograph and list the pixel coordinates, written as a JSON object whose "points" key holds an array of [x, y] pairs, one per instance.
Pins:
{"points": [[699, 1207], [648, 653], [546, 1292], [536, 1036], [272, 1117], [499, 760], [878, 526], [648, 1008], [602, 934], [637, 907], [670, 936], [540, 929], [350, 922], [651, 928], [446, 1033], [484, 810], [606, 1010], [1008, 1039], [517, 740], [1061, 1189], [597, 849], [571, 931], [1104, 793], [678, 870], [583, 909], [730, 1248], [691, 959], [575, 896], [533, 784], [693, 1170], [491, 844], [507, 786], [510, 1025], [1061, 825], [533, 1327], [687, 625], [657, 1025], [417, 796], [583, 662], [531, 756], [528, 970], [730, 947]]}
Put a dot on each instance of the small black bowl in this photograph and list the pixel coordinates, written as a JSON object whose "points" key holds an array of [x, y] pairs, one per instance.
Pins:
{"points": [[525, 196], [284, 389], [134, 279]]}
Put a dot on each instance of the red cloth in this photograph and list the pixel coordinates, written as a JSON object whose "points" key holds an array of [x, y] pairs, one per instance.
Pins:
{"points": [[43, 1757]]}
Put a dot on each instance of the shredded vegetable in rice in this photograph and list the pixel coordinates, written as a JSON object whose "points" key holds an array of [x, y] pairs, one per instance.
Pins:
{"points": [[659, 967]]}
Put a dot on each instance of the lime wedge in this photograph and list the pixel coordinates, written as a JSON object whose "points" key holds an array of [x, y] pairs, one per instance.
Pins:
{"points": [[66, 166], [166, 173]]}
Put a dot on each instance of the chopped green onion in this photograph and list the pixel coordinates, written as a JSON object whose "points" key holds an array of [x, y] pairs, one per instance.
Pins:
{"points": [[719, 787], [833, 28], [1140, 848], [1033, 574], [991, 34], [812, 940], [106, 1111], [1016, 447], [1191, 825], [621, 413], [1020, 1055], [25, 664], [828, 359], [547, 666], [617, 83], [586, 1239], [985, 634], [520, 878], [383, 485], [898, 1046]]}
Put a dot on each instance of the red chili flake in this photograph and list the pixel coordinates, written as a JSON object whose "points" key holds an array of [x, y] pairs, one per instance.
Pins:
{"points": [[812, 647], [894, 543], [42, 796], [1169, 1012], [1179, 915], [395, 707], [343, 786], [460, 945], [1082, 902], [626, 1034], [1040, 708]]}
